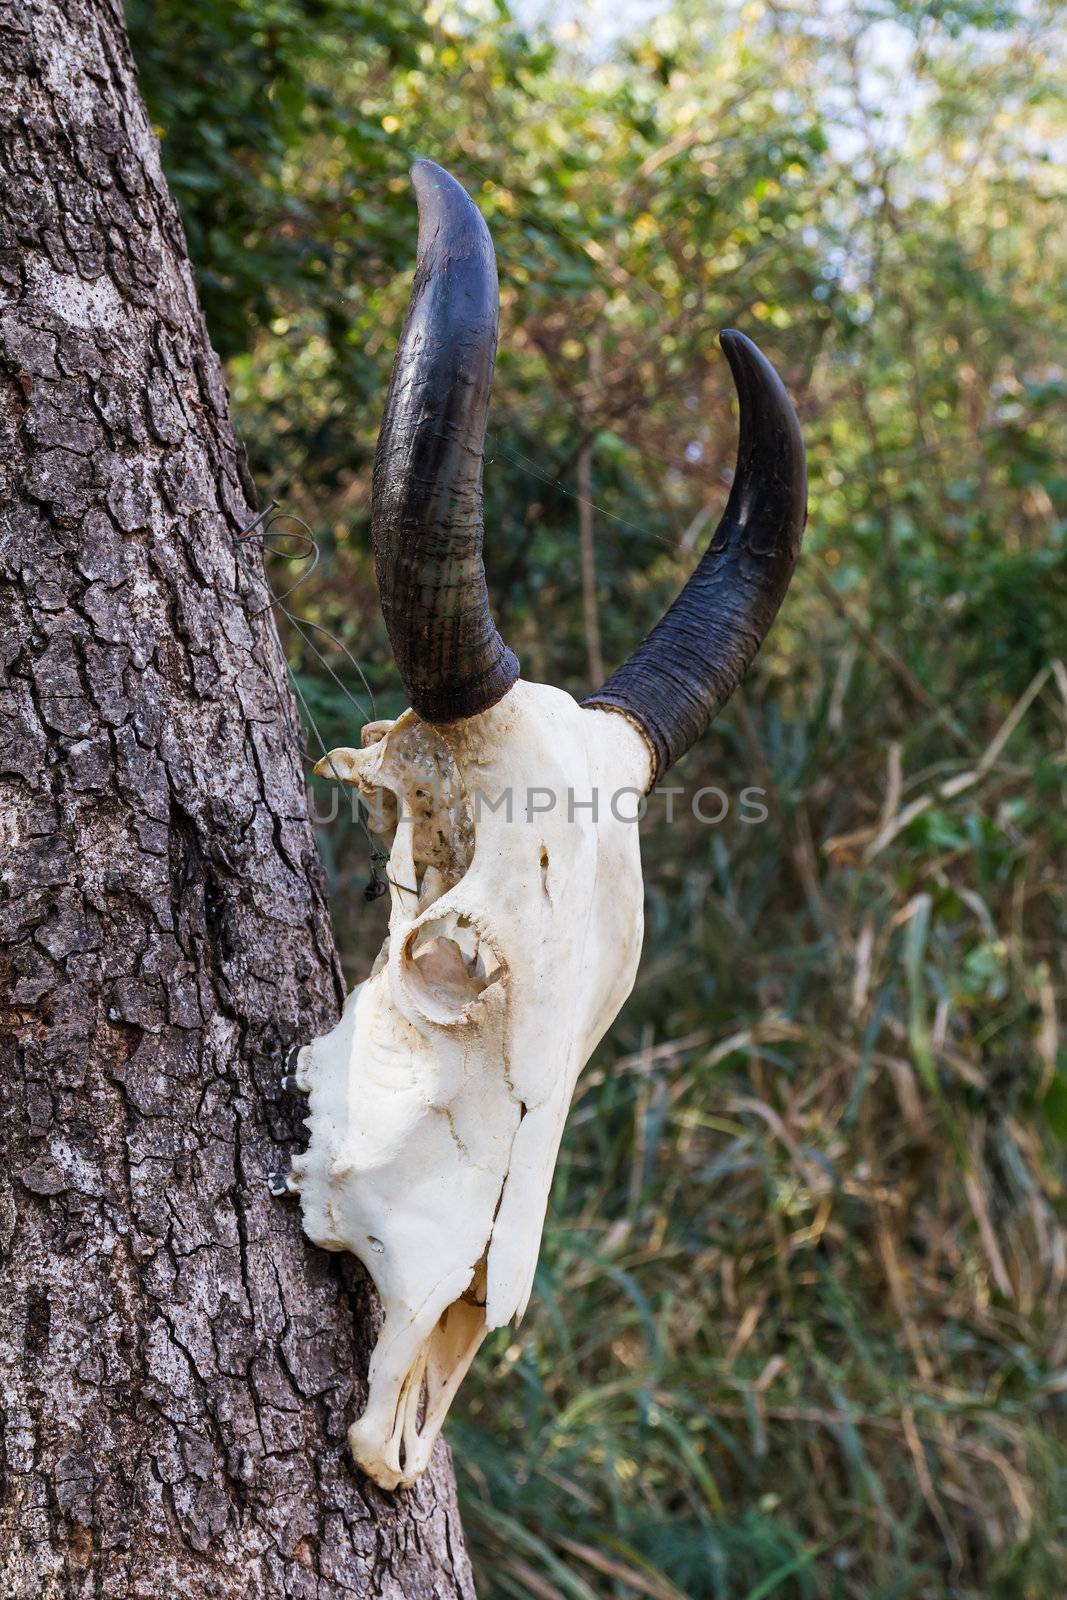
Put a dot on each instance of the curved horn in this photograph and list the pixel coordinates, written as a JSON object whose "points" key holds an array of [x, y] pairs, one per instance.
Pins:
{"points": [[427, 491], [682, 675]]}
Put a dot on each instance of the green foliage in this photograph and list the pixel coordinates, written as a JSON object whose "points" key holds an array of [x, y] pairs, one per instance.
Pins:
{"points": [[798, 1327], [241, 95]]}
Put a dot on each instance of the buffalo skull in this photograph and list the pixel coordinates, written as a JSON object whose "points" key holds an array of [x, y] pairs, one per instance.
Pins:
{"points": [[437, 1103]]}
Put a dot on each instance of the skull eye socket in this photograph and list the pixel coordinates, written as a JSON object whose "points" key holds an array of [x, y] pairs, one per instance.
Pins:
{"points": [[448, 967]]}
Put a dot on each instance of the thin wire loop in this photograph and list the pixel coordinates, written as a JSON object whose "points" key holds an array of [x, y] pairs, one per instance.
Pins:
{"points": [[267, 542]]}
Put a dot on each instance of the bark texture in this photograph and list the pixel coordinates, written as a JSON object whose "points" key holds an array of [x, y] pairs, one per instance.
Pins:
{"points": [[176, 1363]]}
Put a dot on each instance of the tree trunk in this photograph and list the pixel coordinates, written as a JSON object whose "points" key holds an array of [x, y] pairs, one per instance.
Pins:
{"points": [[176, 1363]]}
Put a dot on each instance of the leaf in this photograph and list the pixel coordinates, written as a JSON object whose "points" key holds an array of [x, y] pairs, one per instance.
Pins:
{"points": [[1054, 1106]]}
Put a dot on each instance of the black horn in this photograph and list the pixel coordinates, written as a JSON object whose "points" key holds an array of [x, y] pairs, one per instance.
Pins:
{"points": [[427, 490], [682, 675]]}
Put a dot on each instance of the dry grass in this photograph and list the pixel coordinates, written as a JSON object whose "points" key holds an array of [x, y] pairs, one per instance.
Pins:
{"points": [[799, 1323]]}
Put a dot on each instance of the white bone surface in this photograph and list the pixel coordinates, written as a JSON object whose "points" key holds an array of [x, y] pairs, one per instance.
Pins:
{"points": [[437, 1103]]}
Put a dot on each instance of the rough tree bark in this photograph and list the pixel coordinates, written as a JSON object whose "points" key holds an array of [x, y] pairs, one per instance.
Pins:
{"points": [[175, 1362]]}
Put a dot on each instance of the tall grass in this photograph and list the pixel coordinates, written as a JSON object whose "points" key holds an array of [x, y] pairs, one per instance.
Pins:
{"points": [[798, 1328]]}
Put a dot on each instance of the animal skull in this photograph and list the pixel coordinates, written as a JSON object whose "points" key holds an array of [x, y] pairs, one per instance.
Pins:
{"points": [[437, 1103]]}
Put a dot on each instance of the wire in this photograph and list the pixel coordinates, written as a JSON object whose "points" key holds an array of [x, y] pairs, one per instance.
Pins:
{"points": [[267, 543], [526, 465]]}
